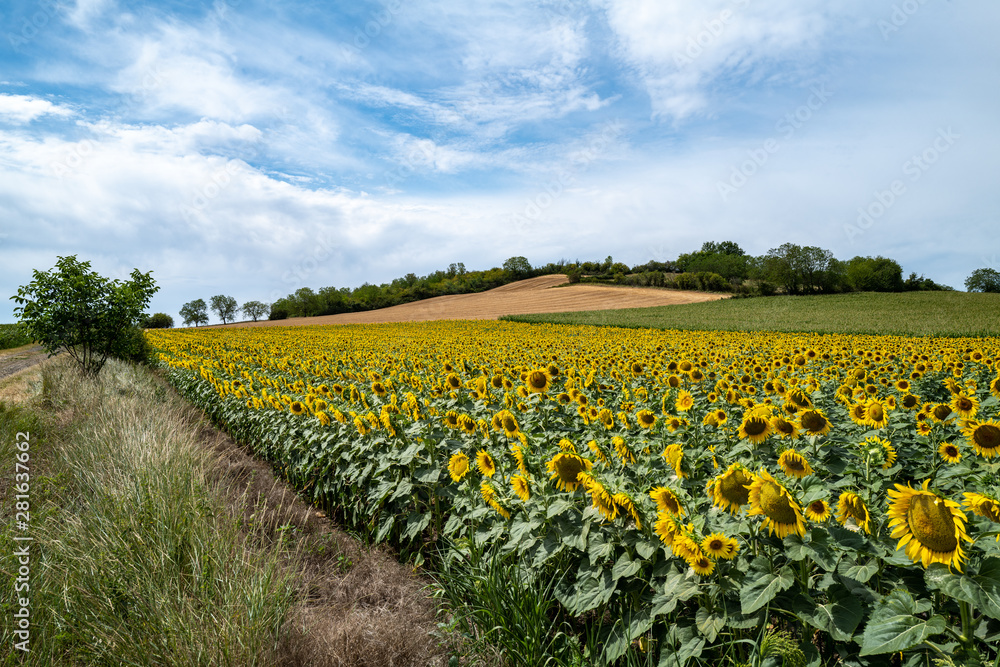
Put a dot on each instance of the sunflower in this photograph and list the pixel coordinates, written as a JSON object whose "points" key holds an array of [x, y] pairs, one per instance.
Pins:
{"points": [[851, 508], [518, 453], [485, 463], [685, 545], [784, 428], [910, 402], [799, 398], [941, 412], [965, 405], [890, 455], [818, 511], [490, 496], [508, 423], [665, 528], [520, 485], [567, 446], [923, 427], [451, 419], [702, 566], [624, 452], [794, 464], [602, 501], [814, 422], [598, 452], [674, 454], [458, 466], [949, 453], [467, 423], [782, 515], [930, 527], [624, 502], [666, 501], [995, 386], [565, 467], [684, 402], [607, 419], [985, 438], [537, 381], [876, 414], [297, 408], [453, 381], [730, 490], [715, 546], [983, 506], [646, 418], [755, 428]]}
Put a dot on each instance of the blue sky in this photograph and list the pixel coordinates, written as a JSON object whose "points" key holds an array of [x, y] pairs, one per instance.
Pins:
{"points": [[250, 148]]}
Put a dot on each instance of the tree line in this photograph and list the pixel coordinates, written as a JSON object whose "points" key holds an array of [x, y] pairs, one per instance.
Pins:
{"points": [[719, 266]]}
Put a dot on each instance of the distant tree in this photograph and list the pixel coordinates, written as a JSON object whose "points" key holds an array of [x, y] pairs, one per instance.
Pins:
{"points": [[255, 309], [194, 312], [519, 267], [225, 307], [874, 274], [722, 248], [983, 280], [158, 321], [75, 310]]}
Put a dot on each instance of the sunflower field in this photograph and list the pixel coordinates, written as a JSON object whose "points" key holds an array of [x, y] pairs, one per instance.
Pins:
{"points": [[713, 497]]}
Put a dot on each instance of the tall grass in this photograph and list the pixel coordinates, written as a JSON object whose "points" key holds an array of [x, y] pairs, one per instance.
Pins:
{"points": [[907, 314], [135, 561]]}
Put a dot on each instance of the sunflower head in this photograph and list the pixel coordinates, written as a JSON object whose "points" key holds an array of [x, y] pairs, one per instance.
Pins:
{"points": [[755, 428], [458, 466], [818, 511], [730, 490], [794, 464], [666, 501], [521, 487], [537, 381], [949, 453], [646, 418], [983, 506], [930, 527], [852, 510], [814, 422], [782, 515], [985, 438], [565, 468], [485, 463]]}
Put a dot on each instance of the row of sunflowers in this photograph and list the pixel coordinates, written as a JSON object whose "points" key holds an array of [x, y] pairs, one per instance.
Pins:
{"points": [[693, 489]]}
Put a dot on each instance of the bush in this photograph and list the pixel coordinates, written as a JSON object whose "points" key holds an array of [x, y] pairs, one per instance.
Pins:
{"points": [[686, 281], [278, 312], [132, 346], [711, 282], [158, 321], [983, 280]]}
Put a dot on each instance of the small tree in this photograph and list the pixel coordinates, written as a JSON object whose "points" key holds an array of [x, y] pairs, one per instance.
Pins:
{"points": [[225, 307], [983, 280], [255, 309], [194, 312], [158, 321], [518, 267], [73, 309]]}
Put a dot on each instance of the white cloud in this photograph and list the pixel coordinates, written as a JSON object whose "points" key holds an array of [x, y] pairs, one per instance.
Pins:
{"points": [[678, 48], [22, 109]]}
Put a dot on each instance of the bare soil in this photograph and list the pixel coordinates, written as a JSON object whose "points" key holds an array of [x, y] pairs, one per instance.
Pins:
{"points": [[16, 360], [535, 295]]}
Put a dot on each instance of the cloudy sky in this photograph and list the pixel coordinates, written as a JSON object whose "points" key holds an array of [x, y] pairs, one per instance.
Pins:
{"points": [[251, 147]]}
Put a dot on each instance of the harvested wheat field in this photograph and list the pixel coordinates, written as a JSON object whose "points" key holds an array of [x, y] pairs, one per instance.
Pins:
{"points": [[534, 295]]}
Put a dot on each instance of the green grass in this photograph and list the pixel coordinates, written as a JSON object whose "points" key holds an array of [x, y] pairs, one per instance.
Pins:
{"points": [[947, 314], [134, 561], [12, 335]]}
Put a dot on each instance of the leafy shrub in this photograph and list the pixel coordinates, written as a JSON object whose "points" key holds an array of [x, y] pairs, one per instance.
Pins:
{"points": [[158, 321]]}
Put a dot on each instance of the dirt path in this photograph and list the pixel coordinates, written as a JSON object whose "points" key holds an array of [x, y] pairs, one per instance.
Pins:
{"points": [[535, 295], [16, 360]]}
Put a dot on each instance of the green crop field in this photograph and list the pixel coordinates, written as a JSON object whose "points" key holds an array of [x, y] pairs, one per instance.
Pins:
{"points": [[12, 335], [910, 313]]}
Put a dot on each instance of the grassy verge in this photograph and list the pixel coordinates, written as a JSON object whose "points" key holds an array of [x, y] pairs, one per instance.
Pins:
{"points": [[134, 559], [948, 314]]}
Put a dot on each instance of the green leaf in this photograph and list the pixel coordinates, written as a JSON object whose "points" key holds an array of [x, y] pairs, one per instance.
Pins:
{"points": [[860, 572], [981, 590], [591, 593], [709, 623], [686, 644], [558, 507], [839, 616], [625, 567], [761, 587], [415, 524], [894, 627], [678, 587]]}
